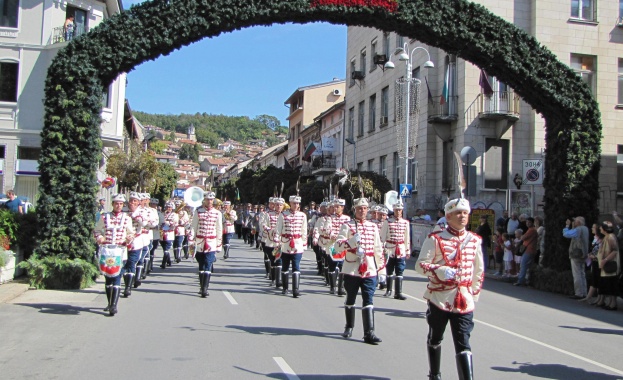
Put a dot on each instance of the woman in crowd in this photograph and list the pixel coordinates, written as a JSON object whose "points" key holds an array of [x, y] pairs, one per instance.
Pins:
{"points": [[593, 264], [609, 251]]}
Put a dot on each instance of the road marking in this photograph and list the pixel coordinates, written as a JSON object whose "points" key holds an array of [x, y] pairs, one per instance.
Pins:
{"points": [[285, 368], [575, 356], [230, 298]]}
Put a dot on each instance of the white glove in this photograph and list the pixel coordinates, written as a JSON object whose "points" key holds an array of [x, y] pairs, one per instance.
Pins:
{"points": [[357, 237], [382, 278], [360, 252], [354, 240], [450, 273]]}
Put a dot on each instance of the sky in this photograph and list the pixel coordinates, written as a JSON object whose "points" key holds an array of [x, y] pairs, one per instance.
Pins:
{"points": [[249, 72]]}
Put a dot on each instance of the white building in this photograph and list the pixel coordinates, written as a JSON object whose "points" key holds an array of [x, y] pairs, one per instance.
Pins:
{"points": [[31, 33], [501, 129]]}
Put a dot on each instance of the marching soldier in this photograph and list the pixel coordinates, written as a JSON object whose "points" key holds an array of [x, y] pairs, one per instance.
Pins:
{"points": [[180, 230], [229, 219], [324, 240], [337, 255], [189, 232], [452, 261], [263, 226], [151, 216], [291, 232], [395, 237], [247, 219], [259, 241], [272, 242], [167, 234], [130, 276], [316, 223], [113, 232], [208, 222], [359, 238], [153, 203]]}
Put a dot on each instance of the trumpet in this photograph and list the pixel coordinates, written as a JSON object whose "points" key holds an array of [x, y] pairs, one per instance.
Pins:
{"points": [[180, 207]]}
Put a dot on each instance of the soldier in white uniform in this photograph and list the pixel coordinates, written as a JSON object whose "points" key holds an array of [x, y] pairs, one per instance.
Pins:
{"points": [[114, 230], [167, 234], [263, 226], [229, 227], [362, 264], [315, 224], [153, 204], [452, 261], [272, 241], [208, 222], [180, 230], [337, 255], [151, 216], [395, 236], [324, 240], [135, 250], [291, 232]]}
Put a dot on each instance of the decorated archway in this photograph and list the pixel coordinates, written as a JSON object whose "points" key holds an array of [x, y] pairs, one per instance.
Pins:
{"points": [[71, 143]]}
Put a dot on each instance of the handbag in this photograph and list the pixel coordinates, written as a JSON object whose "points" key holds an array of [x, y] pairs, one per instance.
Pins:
{"points": [[610, 267]]}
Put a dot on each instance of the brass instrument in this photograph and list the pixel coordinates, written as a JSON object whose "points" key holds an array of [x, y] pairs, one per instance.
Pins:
{"points": [[180, 207]]}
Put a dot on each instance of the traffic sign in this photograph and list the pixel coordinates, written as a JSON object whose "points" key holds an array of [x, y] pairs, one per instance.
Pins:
{"points": [[405, 190], [533, 172]]}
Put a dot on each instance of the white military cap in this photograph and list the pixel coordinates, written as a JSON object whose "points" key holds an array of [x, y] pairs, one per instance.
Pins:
{"points": [[339, 202], [280, 201], [118, 198], [271, 200], [383, 210], [154, 201], [459, 204], [169, 204], [323, 204], [135, 195], [227, 203], [295, 199], [399, 205], [360, 202], [209, 195]]}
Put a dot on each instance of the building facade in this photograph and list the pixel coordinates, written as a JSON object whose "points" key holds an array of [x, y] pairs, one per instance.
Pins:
{"points": [[31, 34], [498, 136]]}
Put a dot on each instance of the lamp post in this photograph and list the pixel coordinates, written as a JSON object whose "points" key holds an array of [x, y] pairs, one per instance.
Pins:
{"points": [[350, 140], [404, 55]]}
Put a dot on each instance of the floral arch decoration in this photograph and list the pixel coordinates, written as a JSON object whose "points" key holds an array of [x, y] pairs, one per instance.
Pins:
{"points": [[77, 75]]}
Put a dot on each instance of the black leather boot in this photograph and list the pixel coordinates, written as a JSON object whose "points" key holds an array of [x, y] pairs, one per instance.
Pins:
{"points": [[464, 365], [349, 311], [146, 269], [151, 263], [367, 314], [277, 274], [114, 299], [178, 254], [434, 362], [166, 258], [206, 284], [388, 292], [340, 285], [398, 294], [108, 293], [332, 282], [327, 276], [128, 280], [284, 282], [319, 267], [296, 280], [200, 282], [137, 276], [226, 254], [267, 267]]}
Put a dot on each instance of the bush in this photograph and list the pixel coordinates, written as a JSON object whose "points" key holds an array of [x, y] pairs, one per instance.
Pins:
{"points": [[54, 272], [8, 227]]}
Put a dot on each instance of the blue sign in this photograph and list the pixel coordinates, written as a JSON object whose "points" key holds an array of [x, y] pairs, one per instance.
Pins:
{"points": [[179, 193], [405, 190]]}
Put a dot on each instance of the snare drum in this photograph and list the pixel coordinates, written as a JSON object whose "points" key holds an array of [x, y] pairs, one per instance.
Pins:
{"points": [[111, 258]]}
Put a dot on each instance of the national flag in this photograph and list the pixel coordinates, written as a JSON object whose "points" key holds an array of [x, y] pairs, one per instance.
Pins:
{"points": [[311, 148], [484, 83], [443, 99], [430, 95]]}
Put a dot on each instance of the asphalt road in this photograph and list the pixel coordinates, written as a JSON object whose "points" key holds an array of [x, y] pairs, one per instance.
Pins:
{"points": [[246, 330]]}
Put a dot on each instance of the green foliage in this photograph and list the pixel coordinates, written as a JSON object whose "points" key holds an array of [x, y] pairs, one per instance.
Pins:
{"points": [[164, 182], [135, 171], [157, 146], [4, 257], [9, 225], [374, 187], [189, 152], [59, 272], [71, 145]]}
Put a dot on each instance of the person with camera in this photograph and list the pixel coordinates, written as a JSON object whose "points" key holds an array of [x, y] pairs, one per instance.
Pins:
{"points": [[577, 231]]}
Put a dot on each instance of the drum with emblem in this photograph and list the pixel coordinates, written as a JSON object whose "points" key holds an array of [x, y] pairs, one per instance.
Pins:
{"points": [[111, 258]]}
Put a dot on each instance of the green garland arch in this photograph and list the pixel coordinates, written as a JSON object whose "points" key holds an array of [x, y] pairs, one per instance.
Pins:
{"points": [[70, 137]]}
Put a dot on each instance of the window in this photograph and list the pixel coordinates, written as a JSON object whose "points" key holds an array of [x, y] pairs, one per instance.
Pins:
{"points": [[400, 41], [619, 168], [360, 166], [415, 73], [106, 98], [584, 66], [371, 165], [396, 171], [360, 118], [8, 13], [351, 122], [353, 68], [496, 164], [80, 20], [620, 97], [385, 46], [8, 81], [373, 52], [413, 173], [28, 153], [362, 61], [447, 169], [384, 106], [383, 166], [620, 12], [372, 113], [583, 10]]}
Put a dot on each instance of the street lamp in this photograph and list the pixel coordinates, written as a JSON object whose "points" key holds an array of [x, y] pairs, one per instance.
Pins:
{"points": [[403, 55], [351, 141]]}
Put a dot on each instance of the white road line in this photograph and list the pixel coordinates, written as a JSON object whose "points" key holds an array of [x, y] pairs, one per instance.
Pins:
{"points": [[285, 368], [230, 298], [575, 356]]}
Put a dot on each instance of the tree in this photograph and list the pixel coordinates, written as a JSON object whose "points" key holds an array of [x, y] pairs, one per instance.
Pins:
{"points": [[171, 136], [189, 152], [157, 146], [270, 122], [134, 171], [164, 182]]}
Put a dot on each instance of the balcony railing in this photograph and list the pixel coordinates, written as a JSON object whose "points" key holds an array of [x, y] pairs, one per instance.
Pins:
{"points": [[323, 164], [443, 113], [59, 35], [501, 104]]}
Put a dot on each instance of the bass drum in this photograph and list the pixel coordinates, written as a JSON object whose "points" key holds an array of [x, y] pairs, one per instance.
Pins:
{"points": [[111, 258]]}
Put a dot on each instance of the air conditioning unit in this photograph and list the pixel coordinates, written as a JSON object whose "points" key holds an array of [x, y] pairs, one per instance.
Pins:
{"points": [[380, 59], [383, 120], [337, 92], [357, 75]]}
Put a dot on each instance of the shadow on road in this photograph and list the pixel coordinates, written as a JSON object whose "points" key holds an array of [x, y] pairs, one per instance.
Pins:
{"points": [[278, 331], [556, 372], [315, 376], [595, 330], [63, 309]]}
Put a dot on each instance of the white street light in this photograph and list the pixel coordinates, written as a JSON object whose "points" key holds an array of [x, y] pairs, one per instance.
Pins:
{"points": [[402, 54]]}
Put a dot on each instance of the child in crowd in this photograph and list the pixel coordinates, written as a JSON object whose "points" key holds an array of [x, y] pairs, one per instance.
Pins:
{"points": [[499, 251], [508, 254], [518, 242]]}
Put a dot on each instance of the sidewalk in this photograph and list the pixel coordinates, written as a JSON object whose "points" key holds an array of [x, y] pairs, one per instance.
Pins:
{"points": [[20, 291], [13, 289]]}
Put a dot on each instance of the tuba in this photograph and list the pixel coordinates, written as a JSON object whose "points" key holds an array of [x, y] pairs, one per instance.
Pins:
{"points": [[391, 197], [193, 196]]}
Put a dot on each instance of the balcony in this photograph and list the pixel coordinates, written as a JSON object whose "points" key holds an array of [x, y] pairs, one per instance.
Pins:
{"points": [[443, 113], [58, 33], [500, 105], [323, 165]]}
